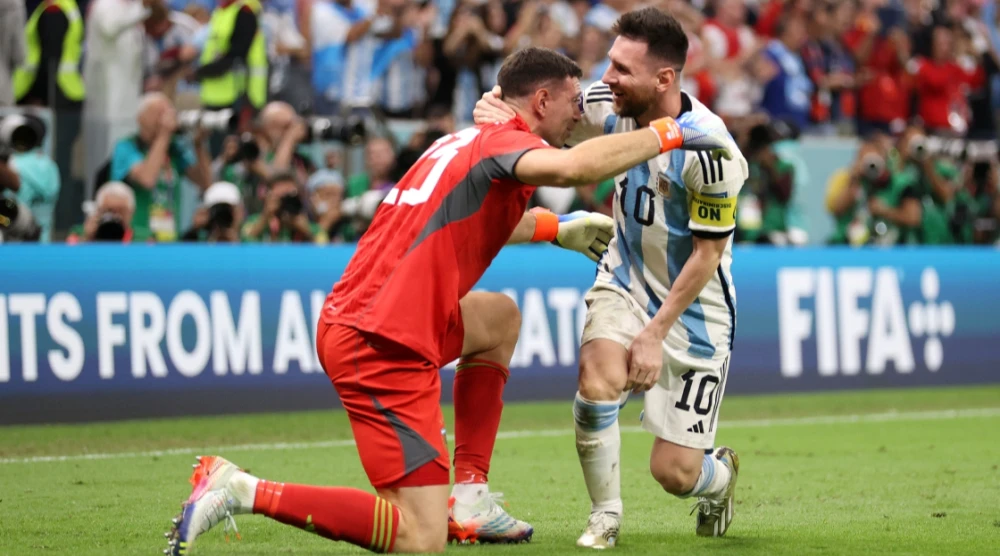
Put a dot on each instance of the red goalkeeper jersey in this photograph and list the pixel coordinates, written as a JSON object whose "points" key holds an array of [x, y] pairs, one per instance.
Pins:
{"points": [[433, 237]]}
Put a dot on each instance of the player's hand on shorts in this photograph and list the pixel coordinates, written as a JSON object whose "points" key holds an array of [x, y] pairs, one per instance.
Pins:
{"points": [[690, 134], [645, 360], [586, 232], [490, 109]]}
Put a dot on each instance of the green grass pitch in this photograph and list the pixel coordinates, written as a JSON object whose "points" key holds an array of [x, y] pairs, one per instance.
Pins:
{"points": [[876, 472]]}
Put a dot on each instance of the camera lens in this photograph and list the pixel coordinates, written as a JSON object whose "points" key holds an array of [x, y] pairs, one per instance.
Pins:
{"points": [[21, 133], [249, 149], [347, 130], [291, 204], [220, 216], [111, 228], [8, 211]]}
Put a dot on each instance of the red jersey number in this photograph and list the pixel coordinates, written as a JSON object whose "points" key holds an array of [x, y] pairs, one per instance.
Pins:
{"points": [[444, 150]]}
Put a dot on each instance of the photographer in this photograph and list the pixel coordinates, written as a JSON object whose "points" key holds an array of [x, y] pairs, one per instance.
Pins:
{"points": [[893, 199], [219, 218], [981, 222], [326, 191], [283, 219], [933, 179], [249, 160], [111, 219], [153, 163], [846, 194], [239, 163], [38, 173], [282, 133], [766, 213]]}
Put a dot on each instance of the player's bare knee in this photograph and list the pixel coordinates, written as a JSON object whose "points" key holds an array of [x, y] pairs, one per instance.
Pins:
{"points": [[492, 326], [510, 317], [675, 475], [599, 379]]}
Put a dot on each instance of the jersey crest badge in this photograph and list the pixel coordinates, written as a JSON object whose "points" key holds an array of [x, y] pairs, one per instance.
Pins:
{"points": [[663, 185]]}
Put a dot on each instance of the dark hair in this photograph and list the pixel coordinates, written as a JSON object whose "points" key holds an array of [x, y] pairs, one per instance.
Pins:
{"points": [[662, 33], [282, 177], [525, 71]]}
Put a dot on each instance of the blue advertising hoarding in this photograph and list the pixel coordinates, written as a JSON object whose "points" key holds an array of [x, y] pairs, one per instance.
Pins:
{"points": [[98, 332]]}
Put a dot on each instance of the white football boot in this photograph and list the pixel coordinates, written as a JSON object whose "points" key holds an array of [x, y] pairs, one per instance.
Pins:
{"points": [[212, 501], [601, 532], [715, 515], [485, 522]]}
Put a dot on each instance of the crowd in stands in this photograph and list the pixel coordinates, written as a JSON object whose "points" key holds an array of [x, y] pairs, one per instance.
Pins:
{"points": [[111, 111]]}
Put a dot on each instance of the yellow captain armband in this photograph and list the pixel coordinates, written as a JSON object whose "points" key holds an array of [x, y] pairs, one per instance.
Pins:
{"points": [[712, 213]]}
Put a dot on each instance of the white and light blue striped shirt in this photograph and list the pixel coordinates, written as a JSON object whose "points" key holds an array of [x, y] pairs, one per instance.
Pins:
{"points": [[658, 205]]}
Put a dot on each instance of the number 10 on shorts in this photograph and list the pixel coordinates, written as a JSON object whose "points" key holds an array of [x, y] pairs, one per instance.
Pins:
{"points": [[705, 397]]}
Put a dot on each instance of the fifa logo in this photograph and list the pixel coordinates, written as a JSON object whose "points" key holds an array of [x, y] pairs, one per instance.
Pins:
{"points": [[853, 319], [932, 318]]}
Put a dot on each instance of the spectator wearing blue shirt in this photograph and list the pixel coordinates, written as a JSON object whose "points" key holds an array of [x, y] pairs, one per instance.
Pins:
{"points": [[40, 184], [788, 94]]}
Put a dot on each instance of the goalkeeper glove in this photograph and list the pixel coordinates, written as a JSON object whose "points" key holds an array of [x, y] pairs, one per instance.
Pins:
{"points": [[690, 134], [586, 232]]}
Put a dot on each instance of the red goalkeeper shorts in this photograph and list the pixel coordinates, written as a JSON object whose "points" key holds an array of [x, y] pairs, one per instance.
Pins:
{"points": [[393, 399]]}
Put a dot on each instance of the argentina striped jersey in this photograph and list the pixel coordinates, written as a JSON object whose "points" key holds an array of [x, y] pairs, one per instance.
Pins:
{"points": [[658, 205]]}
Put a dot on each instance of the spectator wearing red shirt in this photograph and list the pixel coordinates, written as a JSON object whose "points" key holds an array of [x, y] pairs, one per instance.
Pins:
{"points": [[772, 12], [942, 84], [881, 57]]}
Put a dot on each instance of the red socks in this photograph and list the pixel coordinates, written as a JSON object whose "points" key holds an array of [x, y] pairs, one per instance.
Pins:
{"points": [[365, 520], [478, 404], [340, 514]]}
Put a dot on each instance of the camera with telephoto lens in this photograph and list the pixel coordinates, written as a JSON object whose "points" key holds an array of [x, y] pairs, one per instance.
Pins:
{"points": [[923, 147], [872, 167], [248, 149], [363, 206], [16, 222], [20, 133], [209, 120], [976, 151], [8, 212], [919, 147], [220, 216], [291, 205], [349, 130], [110, 228]]}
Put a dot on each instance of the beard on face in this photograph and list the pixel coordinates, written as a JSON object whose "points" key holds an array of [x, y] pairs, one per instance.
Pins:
{"points": [[635, 103]]}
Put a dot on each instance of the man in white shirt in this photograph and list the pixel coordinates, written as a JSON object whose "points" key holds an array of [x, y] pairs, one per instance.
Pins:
{"points": [[113, 75]]}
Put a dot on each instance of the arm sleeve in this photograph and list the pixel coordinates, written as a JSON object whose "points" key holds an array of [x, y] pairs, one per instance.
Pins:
{"points": [[243, 33], [123, 159], [239, 45], [505, 148], [112, 19], [713, 185], [598, 115], [52, 28]]}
